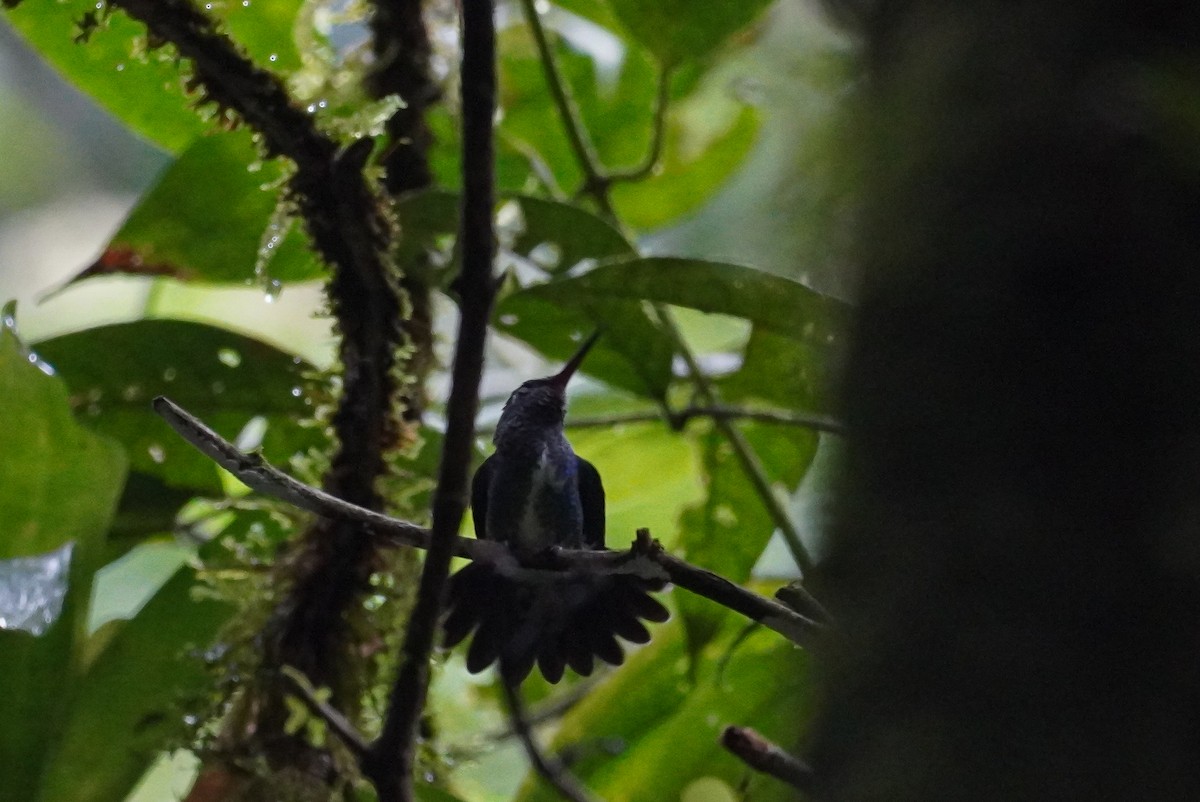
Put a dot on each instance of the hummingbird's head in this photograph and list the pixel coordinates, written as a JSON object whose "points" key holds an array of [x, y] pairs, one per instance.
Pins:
{"points": [[540, 403]]}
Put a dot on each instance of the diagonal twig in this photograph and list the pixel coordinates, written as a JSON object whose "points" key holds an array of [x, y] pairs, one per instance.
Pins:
{"points": [[762, 755], [677, 418], [332, 717], [548, 766]]}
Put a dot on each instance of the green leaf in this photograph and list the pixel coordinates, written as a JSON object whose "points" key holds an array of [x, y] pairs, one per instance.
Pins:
{"points": [[773, 302], [226, 379], [59, 484], [782, 371], [694, 166], [650, 473], [117, 724], [148, 507], [265, 30], [633, 354], [729, 530], [58, 481], [36, 670], [669, 729], [425, 792], [676, 31], [598, 11], [616, 106], [145, 92], [207, 218], [572, 233]]}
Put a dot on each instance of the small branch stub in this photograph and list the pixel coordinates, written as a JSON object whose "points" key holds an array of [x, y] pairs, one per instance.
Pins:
{"points": [[761, 755]]}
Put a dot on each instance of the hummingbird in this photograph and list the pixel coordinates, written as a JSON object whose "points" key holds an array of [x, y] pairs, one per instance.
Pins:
{"points": [[533, 493]]}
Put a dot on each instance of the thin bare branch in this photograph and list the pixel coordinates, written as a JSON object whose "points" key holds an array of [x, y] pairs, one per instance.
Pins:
{"points": [[333, 718], [549, 767], [747, 457], [393, 755], [676, 419], [762, 755], [662, 100]]}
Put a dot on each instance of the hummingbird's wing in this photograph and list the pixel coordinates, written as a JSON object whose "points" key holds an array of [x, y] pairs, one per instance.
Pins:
{"points": [[480, 486], [591, 497]]}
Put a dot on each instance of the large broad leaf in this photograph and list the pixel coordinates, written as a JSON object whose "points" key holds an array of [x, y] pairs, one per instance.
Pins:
{"points": [[554, 235], [634, 353], [615, 102], [649, 473], [570, 234], [58, 487], [148, 507], [227, 379], [783, 371], [677, 31], [707, 137], [669, 730], [209, 218], [728, 531], [695, 164], [773, 302], [132, 699], [143, 91]]}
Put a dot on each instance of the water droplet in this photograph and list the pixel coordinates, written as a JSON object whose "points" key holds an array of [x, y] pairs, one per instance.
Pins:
{"points": [[510, 222], [546, 254], [273, 58], [157, 454], [296, 391], [208, 6], [272, 237], [509, 320], [750, 91], [576, 336], [725, 516], [274, 290], [251, 435], [322, 104], [32, 590], [245, 3], [169, 374], [131, 392], [229, 357], [311, 108], [218, 387], [120, 68]]}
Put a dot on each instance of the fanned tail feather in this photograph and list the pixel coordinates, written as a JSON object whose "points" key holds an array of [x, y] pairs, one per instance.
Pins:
{"points": [[553, 624]]}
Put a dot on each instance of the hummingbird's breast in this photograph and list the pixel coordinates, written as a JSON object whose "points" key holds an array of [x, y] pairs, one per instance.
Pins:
{"points": [[534, 500]]}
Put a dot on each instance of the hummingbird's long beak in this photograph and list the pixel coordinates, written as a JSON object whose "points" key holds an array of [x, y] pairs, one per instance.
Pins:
{"points": [[561, 378]]}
